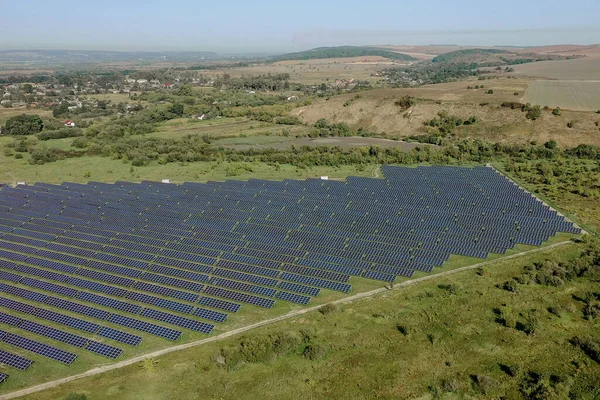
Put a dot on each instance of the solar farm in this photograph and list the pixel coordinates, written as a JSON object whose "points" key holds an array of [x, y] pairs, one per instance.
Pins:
{"points": [[94, 273]]}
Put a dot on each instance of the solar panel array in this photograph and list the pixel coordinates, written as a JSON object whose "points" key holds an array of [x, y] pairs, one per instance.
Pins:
{"points": [[149, 258]]}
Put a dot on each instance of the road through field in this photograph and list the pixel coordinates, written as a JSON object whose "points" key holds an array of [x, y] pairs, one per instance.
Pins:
{"points": [[100, 370]]}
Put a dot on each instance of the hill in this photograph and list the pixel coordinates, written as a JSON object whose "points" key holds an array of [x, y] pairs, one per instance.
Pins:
{"points": [[342, 52], [494, 57]]}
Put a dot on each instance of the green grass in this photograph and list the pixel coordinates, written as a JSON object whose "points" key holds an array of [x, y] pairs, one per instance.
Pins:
{"points": [[222, 127], [450, 338]]}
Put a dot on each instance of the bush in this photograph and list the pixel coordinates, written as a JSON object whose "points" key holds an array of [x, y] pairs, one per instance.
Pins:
{"points": [[403, 329], [490, 91], [18, 156], [452, 288], [516, 93], [510, 286], [471, 120], [23, 124], [314, 352], [76, 396], [533, 113], [328, 309], [483, 383], [406, 102], [570, 124], [550, 144], [557, 111], [590, 347], [80, 143], [60, 134]]}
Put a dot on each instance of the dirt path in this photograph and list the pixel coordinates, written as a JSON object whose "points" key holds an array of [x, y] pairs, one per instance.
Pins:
{"points": [[292, 314]]}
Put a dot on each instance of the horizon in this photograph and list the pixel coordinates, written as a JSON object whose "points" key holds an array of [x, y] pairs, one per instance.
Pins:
{"points": [[239, 27]]}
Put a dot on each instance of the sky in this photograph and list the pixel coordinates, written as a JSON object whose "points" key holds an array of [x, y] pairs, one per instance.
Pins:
{"points": [[236, 26]]}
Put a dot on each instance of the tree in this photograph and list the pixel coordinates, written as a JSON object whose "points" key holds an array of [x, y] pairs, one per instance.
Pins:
{"points": [[23, 125], [177, 109], [61, 109], [533, 113], [27, 88], [185, 90]]}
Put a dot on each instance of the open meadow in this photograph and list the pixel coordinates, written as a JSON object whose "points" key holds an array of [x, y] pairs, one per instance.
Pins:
{"points": [[569, 95]]}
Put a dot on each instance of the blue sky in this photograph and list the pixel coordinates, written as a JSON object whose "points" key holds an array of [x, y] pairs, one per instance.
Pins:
{"points": [[276, 26]]}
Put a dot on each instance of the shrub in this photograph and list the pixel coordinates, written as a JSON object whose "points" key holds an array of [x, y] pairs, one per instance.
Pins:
{"points": [[76, 396], [550, 144], [23, 124], [60, 133], [510, 286], [570, 124], [403, 329], [18, 156], [328, 309], [406, 102], [483, 383], [314, 352], [471, 120], [590, 347], [516, 93], [557, 111], [452, 288], [80, 143], [533, 113], [490, 91]]}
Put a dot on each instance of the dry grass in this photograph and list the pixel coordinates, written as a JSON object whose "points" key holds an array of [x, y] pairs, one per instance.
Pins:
{"points": [[376, 111], [6, 113], [587, 68], [571, 95]]}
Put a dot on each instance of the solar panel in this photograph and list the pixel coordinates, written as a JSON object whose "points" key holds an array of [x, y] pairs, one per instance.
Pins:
{"points": [[42, 349], [104, 349], [3, 377], [61, 336], [14, 360], [77, 308], [177, 320], [143, 326], [123, 337], [293, 298], [110, 303], [220, 304]]}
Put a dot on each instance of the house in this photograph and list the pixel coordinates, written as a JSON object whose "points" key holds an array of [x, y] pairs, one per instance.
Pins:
{"points": [[292, 98], [201, 117], [69, 123], [168, 85], [142, 81]]}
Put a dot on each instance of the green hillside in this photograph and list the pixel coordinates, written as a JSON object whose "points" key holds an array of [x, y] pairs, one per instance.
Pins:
{"points": [[467, 55], [342, 52]]}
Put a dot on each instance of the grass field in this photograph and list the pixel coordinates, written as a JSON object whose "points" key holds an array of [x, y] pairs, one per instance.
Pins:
{"points": [[222, 127], [398, 345], [376, 111], [570, 95], [6, 113], [587, 68]]}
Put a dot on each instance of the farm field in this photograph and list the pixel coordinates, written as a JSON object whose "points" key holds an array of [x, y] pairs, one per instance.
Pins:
{"points": [[570, 95], [587, 68]]}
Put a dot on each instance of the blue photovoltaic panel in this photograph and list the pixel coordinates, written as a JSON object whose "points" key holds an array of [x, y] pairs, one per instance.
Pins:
{"points": [[111, 303], [123, 337], [77, 308], [14, 360], [16, 305], [51, 287], [24, 293], [66, 320], [294, 298], [294, 287], [10, 319], [220, 304], [143, 326], [42, 349], [177, 320], [104, 349], [61, 336], [3, 376]]}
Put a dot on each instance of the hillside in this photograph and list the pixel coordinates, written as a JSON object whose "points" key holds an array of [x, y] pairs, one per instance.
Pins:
{"points": [[493, 57], [376, 111], [342, 52]]}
